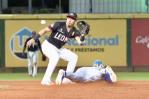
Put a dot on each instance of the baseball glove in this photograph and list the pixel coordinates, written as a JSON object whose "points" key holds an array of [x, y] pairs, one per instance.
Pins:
{"points": [[83, 27]]}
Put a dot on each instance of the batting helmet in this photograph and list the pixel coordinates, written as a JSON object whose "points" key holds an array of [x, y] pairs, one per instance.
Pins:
{"points": [[72, 15], [97, 62]]}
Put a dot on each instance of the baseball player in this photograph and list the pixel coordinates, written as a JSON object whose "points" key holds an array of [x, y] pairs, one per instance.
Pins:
{"points": [[52, 47], [88, 74], [32, 53]]}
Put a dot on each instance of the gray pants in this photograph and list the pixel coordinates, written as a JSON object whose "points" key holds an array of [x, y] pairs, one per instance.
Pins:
{"points": [[32, 63]]}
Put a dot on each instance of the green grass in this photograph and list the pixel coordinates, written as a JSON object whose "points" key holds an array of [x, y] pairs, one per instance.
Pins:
{"points": [[22, 76], [120, 75], [133, 75]]}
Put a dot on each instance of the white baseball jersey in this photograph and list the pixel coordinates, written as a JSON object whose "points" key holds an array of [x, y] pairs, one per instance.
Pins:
{"points": [[86, 74]]}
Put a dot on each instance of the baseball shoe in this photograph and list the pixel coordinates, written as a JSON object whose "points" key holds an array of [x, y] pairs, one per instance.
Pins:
{"points": [[30, 75], [110, 76], [34, 75], [47, 83], [60, 77]]}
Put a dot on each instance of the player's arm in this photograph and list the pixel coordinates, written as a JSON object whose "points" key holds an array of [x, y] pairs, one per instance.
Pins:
{"points": [[44, 31], [38, 35], [39, 46], [79, 40], [24, 48]]}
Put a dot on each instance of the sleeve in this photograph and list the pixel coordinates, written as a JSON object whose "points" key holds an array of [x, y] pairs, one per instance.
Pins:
{"points": [[39, 44], [24, 47]]}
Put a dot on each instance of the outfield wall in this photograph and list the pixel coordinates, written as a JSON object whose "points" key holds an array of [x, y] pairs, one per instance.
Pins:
{"points": [[108, 39], [140, 42], [2, 45]]}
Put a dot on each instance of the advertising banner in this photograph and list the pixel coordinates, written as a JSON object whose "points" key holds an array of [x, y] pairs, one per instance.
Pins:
{"points": [[106, 41], [140, 42], [16, 33]]}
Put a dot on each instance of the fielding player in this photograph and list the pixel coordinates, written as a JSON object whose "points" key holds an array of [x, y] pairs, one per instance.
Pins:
{"points": [[52, 47]]}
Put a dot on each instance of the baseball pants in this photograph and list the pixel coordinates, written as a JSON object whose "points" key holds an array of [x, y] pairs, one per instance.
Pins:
{"points": [[54, 54], [32, 63]]}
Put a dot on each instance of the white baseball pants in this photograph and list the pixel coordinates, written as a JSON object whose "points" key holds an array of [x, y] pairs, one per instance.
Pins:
{"points": [[54, 54], [32, 63]]}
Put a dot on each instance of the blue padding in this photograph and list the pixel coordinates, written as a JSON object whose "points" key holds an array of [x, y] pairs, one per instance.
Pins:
{"points": [[107, 77]]}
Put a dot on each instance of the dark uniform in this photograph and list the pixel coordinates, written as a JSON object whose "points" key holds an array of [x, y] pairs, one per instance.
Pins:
{"points": [[32, 48], [32, 56], [60, 35], [53, 47]]}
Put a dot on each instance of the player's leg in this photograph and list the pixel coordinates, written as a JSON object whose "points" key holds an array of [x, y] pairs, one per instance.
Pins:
{"points": [[62, 78], [51, 52], [70, 57], [30, 63], [109, 75], [35, 67], [67, 81], [78, 76]]}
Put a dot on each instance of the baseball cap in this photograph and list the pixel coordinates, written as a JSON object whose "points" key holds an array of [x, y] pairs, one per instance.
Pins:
{"points": [[72, 15]]}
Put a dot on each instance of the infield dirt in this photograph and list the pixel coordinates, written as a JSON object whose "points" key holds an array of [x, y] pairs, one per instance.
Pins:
{"points": [[96, 90]]}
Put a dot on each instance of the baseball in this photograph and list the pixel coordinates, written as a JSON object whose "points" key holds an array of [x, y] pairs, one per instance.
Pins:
{"points": [[43, 22]]}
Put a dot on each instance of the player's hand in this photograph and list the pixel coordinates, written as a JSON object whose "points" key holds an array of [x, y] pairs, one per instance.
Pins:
{"points": [[31, 42]]}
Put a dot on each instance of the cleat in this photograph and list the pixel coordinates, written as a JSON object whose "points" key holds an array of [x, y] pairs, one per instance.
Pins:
{"points": [[110, 76], [47, 83], [60, 77]]}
